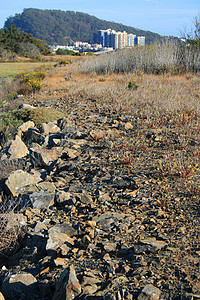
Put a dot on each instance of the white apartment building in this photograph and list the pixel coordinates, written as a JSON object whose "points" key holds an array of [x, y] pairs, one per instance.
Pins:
{"points": [[119, 40], [140, 40]]}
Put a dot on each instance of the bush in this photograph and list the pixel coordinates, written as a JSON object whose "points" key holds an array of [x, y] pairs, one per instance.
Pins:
{"points": [[30, 82], [9, 228], [169, 57], [63, 62], [38, 115]]}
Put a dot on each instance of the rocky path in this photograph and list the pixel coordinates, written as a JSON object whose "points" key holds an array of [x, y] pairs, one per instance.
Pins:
{"points": [[96, 219]]}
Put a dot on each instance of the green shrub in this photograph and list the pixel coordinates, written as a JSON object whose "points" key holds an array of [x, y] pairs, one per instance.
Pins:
{"points": [[132, 85], [38, 115]]}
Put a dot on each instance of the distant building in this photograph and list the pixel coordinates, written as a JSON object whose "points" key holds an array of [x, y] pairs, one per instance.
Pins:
{"points": [[131, 40], [140, 40], [118, 40]]}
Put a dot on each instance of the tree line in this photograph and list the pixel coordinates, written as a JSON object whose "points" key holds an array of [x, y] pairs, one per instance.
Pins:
{"points": [[64, 27], [17, 41]]}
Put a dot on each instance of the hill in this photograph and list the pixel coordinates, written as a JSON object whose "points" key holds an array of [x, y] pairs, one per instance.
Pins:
{"points": [[62, 27]]}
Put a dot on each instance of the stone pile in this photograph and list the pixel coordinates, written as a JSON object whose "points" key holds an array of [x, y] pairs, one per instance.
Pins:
{"points": [[89, 229]]}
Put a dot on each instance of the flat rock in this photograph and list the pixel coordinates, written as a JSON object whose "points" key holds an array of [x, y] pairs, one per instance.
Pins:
{"points": [[19, 179], [42, 199]]}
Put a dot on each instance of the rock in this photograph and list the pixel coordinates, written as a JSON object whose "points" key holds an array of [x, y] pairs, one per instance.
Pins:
{"points": [[49, 127], [64, 228], [25, 126], [60, 235], [85, 198], [19, 286], [68, 286], [32, 135], [27, 106], [42, 199], [43, 157], [19, 179], [150, 292], [17, 148], [128, 126], [158, 245]]}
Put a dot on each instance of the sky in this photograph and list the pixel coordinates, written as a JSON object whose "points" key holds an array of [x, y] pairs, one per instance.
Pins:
{"points": [[165, 17]]}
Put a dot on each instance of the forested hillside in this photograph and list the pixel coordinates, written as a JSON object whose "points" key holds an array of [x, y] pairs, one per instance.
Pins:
{"points": [[19, 42], [62, 27]]}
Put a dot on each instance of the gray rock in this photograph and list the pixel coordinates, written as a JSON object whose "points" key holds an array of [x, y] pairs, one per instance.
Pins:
{"points": [[150, 292], [60, 235], [42, 199], [68, 286]]}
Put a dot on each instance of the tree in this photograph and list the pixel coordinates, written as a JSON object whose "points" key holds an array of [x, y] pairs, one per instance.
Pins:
{"points": [[193, 38]]}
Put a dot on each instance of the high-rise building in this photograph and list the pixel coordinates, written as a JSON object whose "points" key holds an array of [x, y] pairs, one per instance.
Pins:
{"points": [[119, 40], [140, 40], [131, 40]]}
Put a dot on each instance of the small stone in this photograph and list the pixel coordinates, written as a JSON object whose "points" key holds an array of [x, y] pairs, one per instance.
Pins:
{"points": [[128, 126]]}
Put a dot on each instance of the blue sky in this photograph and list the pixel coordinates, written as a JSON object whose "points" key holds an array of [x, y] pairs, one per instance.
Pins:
{"points": [[166, 17]]}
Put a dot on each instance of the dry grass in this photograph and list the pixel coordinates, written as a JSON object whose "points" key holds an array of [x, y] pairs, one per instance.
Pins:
{"points": [[10, 228], [164, 107]]}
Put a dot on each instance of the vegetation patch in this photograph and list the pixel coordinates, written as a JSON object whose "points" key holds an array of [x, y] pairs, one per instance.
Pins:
{"points": [[38, 116]]}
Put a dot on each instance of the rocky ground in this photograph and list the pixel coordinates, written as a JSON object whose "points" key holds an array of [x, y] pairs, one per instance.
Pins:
{"points": [[101, 216]]}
